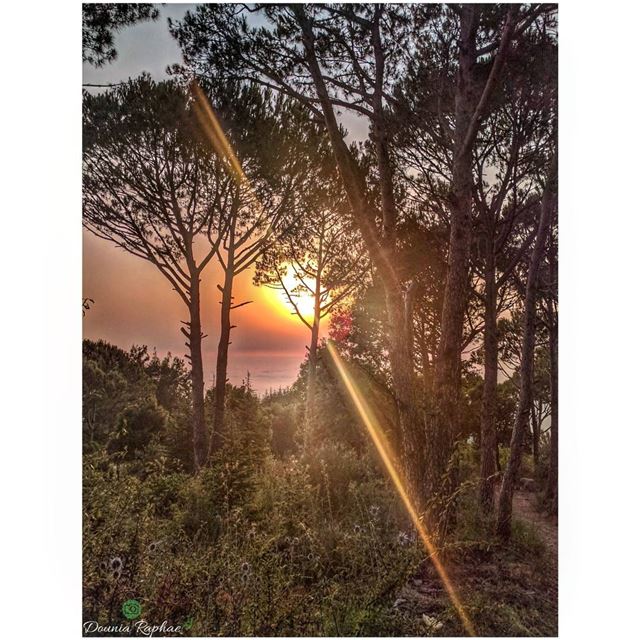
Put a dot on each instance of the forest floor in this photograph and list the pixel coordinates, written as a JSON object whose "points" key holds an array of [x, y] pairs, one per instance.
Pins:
{"points": [[524, 508], [506, 591]]}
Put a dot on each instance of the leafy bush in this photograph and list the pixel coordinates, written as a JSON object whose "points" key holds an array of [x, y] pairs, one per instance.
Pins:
{"points": [[280, 563], [137, 426]]}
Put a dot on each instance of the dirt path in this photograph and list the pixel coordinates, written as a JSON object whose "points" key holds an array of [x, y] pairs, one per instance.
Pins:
{"points": [[545, 525]]}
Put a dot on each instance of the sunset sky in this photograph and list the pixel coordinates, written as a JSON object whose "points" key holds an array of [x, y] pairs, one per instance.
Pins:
{"points": [[134, 304]]}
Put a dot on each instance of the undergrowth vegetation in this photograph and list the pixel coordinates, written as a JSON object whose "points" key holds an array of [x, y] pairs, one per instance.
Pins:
{"points": [[272, 539]]}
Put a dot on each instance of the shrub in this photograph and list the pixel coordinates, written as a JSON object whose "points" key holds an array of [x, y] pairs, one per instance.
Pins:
{"points": [[276, 561]]}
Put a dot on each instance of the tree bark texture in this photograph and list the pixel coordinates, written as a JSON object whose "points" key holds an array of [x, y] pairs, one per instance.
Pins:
{"points": [[535, 434], [488, 441], [552, 479], [222, 357], [470, 105], [442, 425], [194, 344], [313, 353]]}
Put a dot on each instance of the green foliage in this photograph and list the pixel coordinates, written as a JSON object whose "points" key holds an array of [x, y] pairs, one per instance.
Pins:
{"points": [[254, 544], [333, 416], [271, 539], [283, 410], [137, 426], [112, 379], [274, 562], [135, 406]]}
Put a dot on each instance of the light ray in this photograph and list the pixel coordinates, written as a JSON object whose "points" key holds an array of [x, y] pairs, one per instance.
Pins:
{"points": [[209, 122], [214, 132], [385, 452]]}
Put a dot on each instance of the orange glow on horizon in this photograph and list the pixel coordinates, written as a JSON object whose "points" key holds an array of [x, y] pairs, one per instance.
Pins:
{"points": [[384, 450]]}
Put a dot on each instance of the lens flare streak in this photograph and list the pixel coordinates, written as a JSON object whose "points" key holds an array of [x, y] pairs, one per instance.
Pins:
{"points": [[382, 446], [214, 132], [212, 128]]}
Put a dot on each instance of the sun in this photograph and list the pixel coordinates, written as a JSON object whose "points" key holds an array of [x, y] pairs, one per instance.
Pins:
{"points": [[300, 295]]}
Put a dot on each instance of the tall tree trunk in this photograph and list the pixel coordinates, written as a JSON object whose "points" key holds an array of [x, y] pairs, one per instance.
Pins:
{"points": [[535, 434], [223, 352], [422, 475], [552, 479], [488, 417], [446, 386], [315, 331], [399, 302], [505, 500], [312, 372], [313, 356], [381, 251], [194, 344], [471, 103], [399, 306]]}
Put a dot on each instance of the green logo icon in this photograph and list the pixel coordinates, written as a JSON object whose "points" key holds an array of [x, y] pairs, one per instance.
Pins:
{"points": [[131, 609], [188, 623]]}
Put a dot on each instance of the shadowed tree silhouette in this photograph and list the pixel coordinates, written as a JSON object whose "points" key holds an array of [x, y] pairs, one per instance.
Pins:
{"points": [[101, 21], [321, 260], [154, 186]]}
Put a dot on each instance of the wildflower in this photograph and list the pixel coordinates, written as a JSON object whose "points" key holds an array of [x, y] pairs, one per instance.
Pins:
{"points": [[432, 624], [103, 565], [116, 563], [374, 510], [116, 574], [403, 538], [357, 528]]}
